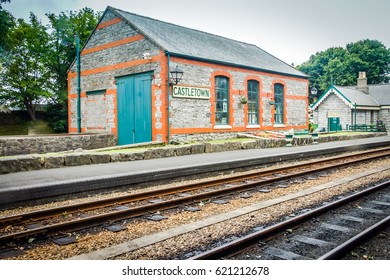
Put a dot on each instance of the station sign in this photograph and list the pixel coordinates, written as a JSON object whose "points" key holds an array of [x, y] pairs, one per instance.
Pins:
{"points": [[333, 115], [191, 92]]}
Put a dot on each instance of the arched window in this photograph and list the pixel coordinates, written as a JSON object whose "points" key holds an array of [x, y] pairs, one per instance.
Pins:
{"points": [[253, 102], [279, 104], [221, 100]]}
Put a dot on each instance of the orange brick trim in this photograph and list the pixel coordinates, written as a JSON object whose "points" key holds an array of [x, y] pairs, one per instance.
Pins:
{"points": [[121, 65], [238, 69], [108, 23], [113, 44]]}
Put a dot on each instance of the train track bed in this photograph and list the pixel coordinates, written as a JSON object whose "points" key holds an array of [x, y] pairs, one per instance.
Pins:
{"points": [[378, 248], [95, 238], [317, 237]]}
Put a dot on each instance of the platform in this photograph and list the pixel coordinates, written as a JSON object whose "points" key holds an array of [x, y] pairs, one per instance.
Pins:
{"points": [[31, 185]]}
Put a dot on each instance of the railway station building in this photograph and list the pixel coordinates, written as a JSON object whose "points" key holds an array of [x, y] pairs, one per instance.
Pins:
{"points": [[365, 106], [147, 80]]}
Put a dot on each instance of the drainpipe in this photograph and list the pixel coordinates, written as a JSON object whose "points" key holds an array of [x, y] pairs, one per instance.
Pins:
{"points": [[355, 116], [169, 98], [78, 84]]}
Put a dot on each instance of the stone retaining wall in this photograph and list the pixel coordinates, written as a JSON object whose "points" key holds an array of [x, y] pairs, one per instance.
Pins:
{"points": [[23, 145], [35, 162]]}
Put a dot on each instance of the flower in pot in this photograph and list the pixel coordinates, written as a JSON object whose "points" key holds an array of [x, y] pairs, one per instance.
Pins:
{"points": [[243, 100]]}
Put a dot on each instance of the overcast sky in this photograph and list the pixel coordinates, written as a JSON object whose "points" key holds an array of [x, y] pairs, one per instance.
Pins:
{"points": [[290, 30]]}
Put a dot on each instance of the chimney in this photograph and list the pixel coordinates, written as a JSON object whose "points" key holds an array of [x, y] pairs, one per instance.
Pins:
{"points": [[362, 82]]}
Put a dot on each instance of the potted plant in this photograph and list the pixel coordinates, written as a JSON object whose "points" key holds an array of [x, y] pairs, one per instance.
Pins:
{"points": [[243, 100], [289, 139]]}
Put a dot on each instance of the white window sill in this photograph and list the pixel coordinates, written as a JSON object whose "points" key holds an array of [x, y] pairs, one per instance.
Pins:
{"points": [[279, 125], [223, 126], [253, 126]]}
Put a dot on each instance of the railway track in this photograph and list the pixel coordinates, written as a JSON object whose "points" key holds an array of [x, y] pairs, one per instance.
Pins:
{"points": [[271, 243], [49, 222]]}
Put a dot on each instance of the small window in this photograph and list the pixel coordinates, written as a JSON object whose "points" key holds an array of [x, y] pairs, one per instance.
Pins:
{"points": [[253, 102], [221, 100], [96, 92], [279, 104]]}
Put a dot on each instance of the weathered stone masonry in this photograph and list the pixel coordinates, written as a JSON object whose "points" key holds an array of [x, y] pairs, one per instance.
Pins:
{"points": [[117, 48]]}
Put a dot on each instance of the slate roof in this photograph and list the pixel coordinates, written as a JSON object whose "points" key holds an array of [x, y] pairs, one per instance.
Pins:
{"points": [[198, 45], [381, 93], [357, 96]]}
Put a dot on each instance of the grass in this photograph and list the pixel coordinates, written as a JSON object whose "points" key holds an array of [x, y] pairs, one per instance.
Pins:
{"points": [[26, 128], [14, 129]]}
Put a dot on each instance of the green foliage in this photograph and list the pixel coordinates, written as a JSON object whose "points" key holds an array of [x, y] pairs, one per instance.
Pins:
{"points": [[341, 66], [57, 116], [63, 28], [24, 82], [7, 22], [34, 60], [3, 1]]}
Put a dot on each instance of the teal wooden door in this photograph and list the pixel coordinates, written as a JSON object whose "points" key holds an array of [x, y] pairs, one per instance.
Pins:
{"points": [[333, 124], [134, 103]]}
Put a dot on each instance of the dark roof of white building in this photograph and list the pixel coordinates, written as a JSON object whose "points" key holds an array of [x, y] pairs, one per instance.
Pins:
{"points": [[185, 42], [357, 96], [381, 93]]}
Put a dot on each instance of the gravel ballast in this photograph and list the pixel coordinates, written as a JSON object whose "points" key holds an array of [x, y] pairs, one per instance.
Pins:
{"points": [[200, 239]]}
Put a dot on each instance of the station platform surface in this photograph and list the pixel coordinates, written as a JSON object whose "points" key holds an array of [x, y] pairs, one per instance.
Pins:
{"points": [[21, 186]]}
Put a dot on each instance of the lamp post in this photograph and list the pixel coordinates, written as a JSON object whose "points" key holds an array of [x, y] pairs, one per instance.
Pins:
{"points": [[313, 93], [314, 134], [176, 75]]}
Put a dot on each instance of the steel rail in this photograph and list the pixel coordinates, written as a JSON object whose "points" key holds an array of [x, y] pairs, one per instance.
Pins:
{"points": [[85, 206], [145, 209], [358, 239], [240, 244]]}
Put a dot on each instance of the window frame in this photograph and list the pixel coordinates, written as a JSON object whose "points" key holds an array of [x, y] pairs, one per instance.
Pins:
{"points": [[222, 105], [253, 113], [279, 95]]}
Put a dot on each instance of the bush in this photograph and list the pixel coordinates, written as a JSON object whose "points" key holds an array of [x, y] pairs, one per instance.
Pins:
{"points": [[57, 117]]}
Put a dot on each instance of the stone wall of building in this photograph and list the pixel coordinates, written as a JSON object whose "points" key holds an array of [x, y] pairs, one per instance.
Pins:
{"points": [[198, 114], [332, 105], [21, 145], [384, 116], [117, 50], [101, 63], [348, 116]]}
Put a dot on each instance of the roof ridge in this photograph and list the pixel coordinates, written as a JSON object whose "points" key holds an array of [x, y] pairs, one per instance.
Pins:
{"points": [[181, 26], [205, 46]]}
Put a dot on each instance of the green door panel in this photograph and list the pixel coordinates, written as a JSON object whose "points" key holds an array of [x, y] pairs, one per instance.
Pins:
{"points": [[134, 109]]}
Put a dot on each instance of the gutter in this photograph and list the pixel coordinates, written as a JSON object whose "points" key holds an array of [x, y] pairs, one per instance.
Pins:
{"points": [[178, 55]]}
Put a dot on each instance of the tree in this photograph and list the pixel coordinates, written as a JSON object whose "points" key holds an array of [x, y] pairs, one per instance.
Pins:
{"points": [[3, 1], [62, 30], [26, 78], [374, 59], [7, 22], [341, 66]]}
